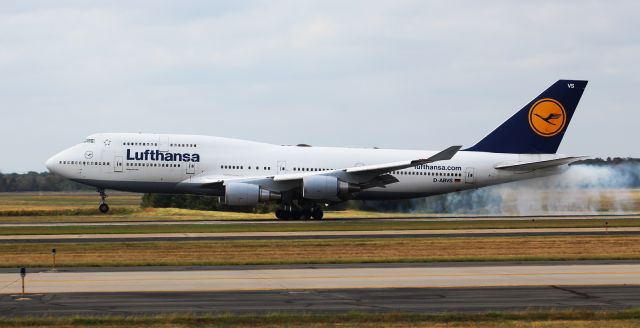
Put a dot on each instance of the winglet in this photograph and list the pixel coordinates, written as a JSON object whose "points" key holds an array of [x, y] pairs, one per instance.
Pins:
{"points": [[444, 155]]}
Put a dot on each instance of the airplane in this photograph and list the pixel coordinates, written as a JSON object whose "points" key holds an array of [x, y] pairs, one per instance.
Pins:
{"points": [[303, 179]]}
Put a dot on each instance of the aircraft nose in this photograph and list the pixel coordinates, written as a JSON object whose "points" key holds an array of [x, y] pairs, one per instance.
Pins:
{"points": [[51, 164]]}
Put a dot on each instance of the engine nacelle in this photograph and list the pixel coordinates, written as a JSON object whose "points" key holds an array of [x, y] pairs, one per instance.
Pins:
{"points": [[245, 194], [318, 187]]}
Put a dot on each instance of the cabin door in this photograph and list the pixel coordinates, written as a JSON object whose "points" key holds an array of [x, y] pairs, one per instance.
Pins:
{"points": [[163, 144], [282, 167], [191, 167], [117, 164], [470, 175]]}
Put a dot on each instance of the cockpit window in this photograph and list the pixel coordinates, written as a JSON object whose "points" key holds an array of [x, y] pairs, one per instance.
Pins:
{"points": [[89, 140]]}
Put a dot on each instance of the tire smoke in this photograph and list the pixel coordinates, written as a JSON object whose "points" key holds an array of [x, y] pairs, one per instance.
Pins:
{"points": [[582, 189]]}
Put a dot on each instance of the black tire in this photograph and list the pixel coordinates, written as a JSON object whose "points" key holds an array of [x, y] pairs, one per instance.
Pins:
{"points": [[281, 214], [295, 214], [306, 214], [317, 213], [104, 208]]}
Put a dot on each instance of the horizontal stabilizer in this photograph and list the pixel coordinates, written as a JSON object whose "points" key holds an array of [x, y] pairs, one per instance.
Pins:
{"points": [[530, 166]]}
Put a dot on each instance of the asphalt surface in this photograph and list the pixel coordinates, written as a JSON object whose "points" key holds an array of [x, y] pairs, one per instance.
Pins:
{"points": [[421, 300], [407, 287]]}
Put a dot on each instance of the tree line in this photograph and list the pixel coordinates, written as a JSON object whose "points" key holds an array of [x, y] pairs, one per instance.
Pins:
{"points": [[34, 181], [199, 202]]}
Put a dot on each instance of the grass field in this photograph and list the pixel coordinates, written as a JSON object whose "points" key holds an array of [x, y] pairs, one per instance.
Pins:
{"points": [[82, 207], [524, 319], [355, 250], [61, 200], [351, 250]]}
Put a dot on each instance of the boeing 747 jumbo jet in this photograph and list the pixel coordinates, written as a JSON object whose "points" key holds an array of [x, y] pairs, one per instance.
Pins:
{"points": [[303, 178]]}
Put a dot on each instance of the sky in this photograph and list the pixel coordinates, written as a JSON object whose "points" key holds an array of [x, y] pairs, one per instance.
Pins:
{"points": [[389, 74]]}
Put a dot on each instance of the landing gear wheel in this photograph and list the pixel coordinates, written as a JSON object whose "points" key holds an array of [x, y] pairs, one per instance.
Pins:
{"points": [[295, 214], [306, 214], [104, 208], [282, 214], [317, 213]]}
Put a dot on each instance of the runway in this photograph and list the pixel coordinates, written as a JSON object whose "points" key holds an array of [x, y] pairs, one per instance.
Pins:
{"points": [[86, 238], [419, 300], [430, 288]]}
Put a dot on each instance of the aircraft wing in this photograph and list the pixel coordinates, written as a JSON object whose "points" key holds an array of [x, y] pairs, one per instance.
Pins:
{"points": [[367, 176], [371, 171], [537, 165]]}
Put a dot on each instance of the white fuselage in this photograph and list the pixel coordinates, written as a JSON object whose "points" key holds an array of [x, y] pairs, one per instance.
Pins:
{"points": [[161, 163]]}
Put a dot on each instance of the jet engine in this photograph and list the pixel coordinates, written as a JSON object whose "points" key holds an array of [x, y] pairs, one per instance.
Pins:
{"points": [[245, 194], [318, 187]]}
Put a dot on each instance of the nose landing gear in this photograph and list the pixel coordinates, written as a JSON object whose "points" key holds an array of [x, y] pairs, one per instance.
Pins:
{"points": [[104, 208]]}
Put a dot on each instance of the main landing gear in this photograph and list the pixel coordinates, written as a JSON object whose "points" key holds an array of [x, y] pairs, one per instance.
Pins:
{"points": [[290, 212], [104, 208]]}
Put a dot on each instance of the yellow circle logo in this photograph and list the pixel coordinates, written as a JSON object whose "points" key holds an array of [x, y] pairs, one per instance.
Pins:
{"points": [[547, 117]]}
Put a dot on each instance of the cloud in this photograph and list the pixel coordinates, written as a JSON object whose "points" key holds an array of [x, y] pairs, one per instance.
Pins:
{"points": [[402, 74]]}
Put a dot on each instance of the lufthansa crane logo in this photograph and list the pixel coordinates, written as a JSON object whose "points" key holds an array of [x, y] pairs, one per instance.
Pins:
{"points": [[547, 117]]}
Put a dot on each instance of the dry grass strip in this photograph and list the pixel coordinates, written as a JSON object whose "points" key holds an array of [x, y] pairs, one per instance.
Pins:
{"points": [[323, 251]]}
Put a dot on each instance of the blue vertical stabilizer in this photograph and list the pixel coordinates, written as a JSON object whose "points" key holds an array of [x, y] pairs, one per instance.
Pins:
{"points": [[539, 126]]}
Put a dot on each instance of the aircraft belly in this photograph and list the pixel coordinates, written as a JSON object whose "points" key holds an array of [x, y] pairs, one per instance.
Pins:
{"points": [[132, 186], [412, 189]]}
